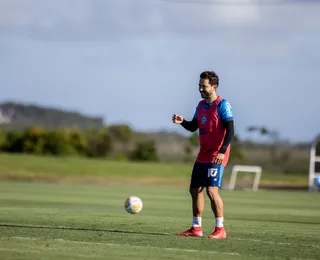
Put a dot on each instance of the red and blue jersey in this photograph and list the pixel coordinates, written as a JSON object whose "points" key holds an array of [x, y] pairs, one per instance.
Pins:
{"points": [[211, 117]]}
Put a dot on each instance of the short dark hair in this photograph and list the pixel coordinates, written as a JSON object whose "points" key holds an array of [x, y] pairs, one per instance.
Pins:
{"points": [[211, 76]]}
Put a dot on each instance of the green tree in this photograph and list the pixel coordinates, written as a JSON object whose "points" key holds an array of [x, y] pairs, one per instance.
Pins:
{"points": [[57, 143], [2, 138], [121, 132], [235, 151], [33, 140], [78, 141], [99, 145], [145, 151], [192, 143], [13, 142]]}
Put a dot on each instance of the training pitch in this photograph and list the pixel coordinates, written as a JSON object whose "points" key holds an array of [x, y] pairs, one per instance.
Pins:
{"points": [[76, 221]]}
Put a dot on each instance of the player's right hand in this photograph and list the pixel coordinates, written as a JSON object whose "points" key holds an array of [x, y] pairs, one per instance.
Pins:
{"points": [[177, 119]]}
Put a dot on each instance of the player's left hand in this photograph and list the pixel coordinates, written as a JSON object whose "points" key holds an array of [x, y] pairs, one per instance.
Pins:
{"points": [[219, 158]]}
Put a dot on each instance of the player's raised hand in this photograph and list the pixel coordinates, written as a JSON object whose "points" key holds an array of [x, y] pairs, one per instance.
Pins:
{"points": [[177, 119]]}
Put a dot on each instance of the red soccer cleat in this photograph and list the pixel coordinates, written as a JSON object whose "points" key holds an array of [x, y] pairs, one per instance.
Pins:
{"points": [[219, 233], [192, 232]]}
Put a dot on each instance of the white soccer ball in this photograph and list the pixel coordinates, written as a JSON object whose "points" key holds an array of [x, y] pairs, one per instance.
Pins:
{"points": [[133, 205]]}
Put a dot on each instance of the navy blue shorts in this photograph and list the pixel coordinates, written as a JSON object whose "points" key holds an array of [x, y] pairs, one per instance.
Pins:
{"points": [[206, 174]]}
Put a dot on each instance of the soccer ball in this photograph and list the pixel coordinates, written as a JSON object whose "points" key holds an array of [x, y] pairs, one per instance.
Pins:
{"points": [[133, 205]]}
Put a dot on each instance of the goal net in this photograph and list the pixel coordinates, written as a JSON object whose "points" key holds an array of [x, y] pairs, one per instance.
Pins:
{"points": [[314, 165], [245, 181]]}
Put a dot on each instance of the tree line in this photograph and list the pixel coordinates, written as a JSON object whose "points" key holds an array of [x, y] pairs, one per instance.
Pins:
{"points": [[121, 142], [96, 143], [41, 130], [115, 141]]}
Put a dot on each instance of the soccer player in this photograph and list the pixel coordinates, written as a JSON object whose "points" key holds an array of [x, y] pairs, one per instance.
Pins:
{"points": [[214, 119]]}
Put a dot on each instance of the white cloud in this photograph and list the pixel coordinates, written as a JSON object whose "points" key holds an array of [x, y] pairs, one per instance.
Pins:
{"points": [[100, 19], [235, 15], [247, 31]]}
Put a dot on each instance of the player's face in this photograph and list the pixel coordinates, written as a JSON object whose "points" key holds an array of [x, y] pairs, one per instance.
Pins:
{"points": [[206, 90]]}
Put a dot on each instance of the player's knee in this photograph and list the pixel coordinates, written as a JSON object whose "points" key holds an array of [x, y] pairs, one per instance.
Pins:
{"points": [[213, 193], [194, 191]]}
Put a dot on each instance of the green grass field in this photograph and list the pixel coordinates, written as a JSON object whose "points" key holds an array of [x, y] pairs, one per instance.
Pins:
{"points": [[77, 221], [28, 167]]}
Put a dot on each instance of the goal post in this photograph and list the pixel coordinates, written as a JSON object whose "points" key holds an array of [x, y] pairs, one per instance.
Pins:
{"points": [[257, 170], [314, 164]]}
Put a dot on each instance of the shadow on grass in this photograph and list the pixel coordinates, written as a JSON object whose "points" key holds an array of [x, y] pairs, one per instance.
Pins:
{"points": [[83, 229], [276, 221]]}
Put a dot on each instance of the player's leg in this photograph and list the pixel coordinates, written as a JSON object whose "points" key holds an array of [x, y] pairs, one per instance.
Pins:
{"points": [[197, 205], [196, 191], [213, 183]]}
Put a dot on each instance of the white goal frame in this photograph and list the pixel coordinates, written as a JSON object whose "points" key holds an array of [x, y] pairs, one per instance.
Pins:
{"points": [[248, 169], [312, 166]]}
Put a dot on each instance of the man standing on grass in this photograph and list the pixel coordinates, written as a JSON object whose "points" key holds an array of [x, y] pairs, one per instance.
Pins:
{"points": [[214, 119]]}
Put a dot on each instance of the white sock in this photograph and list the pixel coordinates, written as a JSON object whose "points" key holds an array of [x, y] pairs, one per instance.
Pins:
{"points": [[196, 221], [219, 222]]}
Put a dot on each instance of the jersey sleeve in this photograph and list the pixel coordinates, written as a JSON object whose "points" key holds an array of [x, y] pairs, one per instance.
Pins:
{"points": [[225, 111], [196, 112]]}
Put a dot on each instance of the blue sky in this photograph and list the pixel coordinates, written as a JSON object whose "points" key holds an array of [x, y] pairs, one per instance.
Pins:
{"points": [[138, 61]]}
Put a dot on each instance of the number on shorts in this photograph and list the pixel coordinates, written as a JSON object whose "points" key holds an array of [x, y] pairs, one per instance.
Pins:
{"points": [[212, 172]]}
